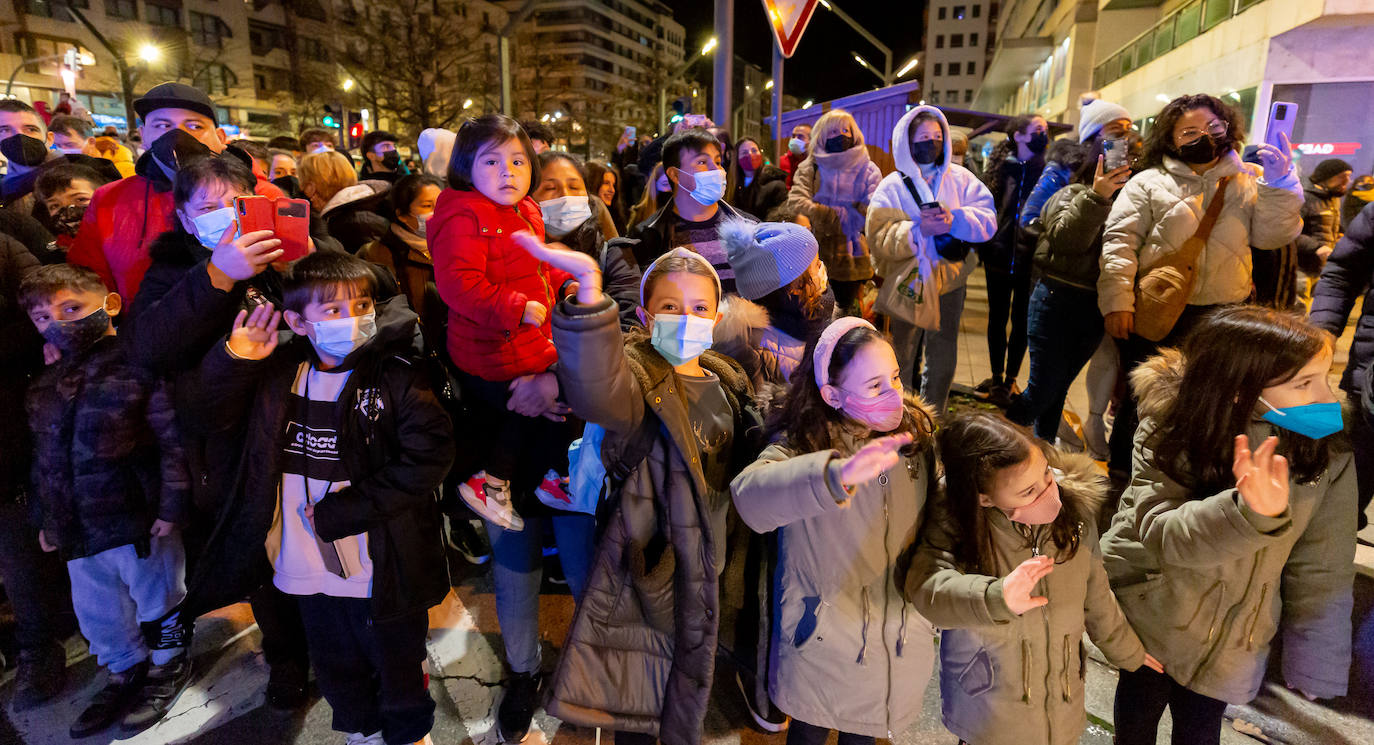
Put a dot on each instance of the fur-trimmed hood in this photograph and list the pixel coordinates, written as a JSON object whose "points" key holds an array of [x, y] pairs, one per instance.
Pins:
{"points": [[1082, 484], [1156, 382]]}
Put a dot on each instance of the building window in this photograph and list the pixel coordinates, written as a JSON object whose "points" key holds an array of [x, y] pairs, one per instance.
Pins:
{"points": [[939, 41], [125, 9], [160, 16], [940, 14], [972, 68], [313, 49], [977, 10], [956, 40], [208, 30], [973, 40], [935, 97], [54, 8], [968, 95], [938, 67], [959, 12], [216, 80]]}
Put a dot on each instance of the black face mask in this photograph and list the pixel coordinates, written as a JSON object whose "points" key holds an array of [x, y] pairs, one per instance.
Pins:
{"points": [[72, 337], [68, 219], [177, 148], [24, 150], [1038, 142], [661, 198], [391, 159], [1202, 150], [289, 185], [927, 152], [839, 143]]}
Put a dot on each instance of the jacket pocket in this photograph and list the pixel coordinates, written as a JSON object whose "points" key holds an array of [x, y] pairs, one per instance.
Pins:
{"points": [[977, 677], [653, 585], [809, 622]]}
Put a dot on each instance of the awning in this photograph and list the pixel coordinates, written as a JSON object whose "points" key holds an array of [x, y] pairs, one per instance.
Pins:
{"points": [[1015, 62]]}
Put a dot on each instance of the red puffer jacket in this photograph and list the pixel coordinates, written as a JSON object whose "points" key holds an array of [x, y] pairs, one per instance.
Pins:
{"points": [[486, 279]]}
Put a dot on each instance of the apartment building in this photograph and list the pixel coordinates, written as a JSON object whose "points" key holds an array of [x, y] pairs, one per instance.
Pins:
{"points": [[595, 66], [959, 39], [1044, 58]]}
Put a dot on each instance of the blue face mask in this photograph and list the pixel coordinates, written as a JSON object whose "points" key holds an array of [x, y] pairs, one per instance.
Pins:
{"points": [[340, 336], [710, 186], [210, 226], [1311, 420], [681, 338]]}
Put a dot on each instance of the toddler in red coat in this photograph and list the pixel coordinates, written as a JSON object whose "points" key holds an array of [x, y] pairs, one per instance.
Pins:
{"points": [[499, 298]]}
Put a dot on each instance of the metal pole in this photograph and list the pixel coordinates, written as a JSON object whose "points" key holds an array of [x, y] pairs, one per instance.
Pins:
{"points": [[503, 42], [777, 103], [887, 53], [343, 128], [663, 108], [725, 59], [36, 60]]}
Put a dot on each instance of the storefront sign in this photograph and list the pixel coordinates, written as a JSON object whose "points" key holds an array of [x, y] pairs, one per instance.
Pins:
{"points": [[1327, 148]]}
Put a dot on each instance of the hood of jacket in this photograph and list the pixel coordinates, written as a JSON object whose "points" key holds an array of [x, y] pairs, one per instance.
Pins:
{"points": [[1156, 382], [356, 193], [901, 150]]}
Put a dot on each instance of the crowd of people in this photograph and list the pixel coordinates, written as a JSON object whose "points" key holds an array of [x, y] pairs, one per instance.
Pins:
{"points": [[718, 388]]}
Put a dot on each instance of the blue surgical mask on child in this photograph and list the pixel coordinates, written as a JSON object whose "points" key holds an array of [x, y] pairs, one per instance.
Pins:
{"points": [[338, 337], [710, 186], [210, 226], [1310, 420], [681, 338]]}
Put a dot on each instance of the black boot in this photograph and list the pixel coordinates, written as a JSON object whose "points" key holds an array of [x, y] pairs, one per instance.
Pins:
{"points": [[161, 689], [42, 674], [110, 702], [288, 686], [516, 712]]}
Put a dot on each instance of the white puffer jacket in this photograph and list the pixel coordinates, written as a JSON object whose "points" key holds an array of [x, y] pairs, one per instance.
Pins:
{"points": [[1160, 208]]}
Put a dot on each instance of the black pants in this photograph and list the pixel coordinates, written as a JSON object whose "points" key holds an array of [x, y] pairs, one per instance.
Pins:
{"points": [[36, 582], [1362, 441], [518, 448], [1135, 350], [1008, 298], [1140, 700], [801, 733], [283, 633], [371, 673]]}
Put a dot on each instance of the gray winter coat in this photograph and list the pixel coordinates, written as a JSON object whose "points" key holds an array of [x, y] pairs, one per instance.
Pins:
{"points": [[1207, 583], [1018, 680], [849, 652]]}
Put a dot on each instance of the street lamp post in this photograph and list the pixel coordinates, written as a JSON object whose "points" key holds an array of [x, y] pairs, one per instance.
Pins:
{"points": [[663, 87], [886, 74], [127, 76]]}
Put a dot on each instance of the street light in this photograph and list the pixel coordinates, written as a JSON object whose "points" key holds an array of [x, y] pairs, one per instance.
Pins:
{"points": [[864, 64], [467, 104], [348, 85], [708, 46], [768, 86], [149, 53], [909, 66], [809, 102], [886, 74]]}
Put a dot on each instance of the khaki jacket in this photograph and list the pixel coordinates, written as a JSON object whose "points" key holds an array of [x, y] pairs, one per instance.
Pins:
{"points": [[1018, 680]]}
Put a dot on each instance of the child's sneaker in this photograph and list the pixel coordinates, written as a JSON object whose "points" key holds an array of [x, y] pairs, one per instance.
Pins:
{"points": [[554, 491], [110, 702], [492, 503], [161, 689]]}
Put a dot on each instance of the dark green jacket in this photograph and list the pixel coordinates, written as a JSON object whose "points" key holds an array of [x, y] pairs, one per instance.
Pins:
{"points": [[1070, 248]]}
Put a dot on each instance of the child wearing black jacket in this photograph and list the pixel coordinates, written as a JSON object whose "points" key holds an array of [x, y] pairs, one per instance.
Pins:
{"points": [[345, 446]]}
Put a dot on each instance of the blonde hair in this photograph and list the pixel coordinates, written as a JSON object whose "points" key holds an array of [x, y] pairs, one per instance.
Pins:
{"points": [[327, 173], [829, 125], [647, 206]]}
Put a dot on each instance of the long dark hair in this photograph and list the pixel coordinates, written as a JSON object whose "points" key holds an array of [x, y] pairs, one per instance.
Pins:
{"points": [[474, 135], [1160, 141], [596, 173], [974, 447], [1229, 359], [997, 159], [806, 420]]}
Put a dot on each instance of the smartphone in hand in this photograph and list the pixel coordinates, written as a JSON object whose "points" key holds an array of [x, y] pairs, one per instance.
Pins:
{"points": [[1114, 154], [1282, 117], [288, 219]]}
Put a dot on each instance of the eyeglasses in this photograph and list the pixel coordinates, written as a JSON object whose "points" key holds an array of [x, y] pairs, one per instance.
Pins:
{"points": [[1215, 129]]}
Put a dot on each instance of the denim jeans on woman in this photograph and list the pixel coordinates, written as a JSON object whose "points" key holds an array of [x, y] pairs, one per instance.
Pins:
{"points": [[1064, 330]]}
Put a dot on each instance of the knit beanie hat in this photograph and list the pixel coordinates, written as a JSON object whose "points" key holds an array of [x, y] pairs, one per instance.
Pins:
{"points": [[1328, 168], [766, 256], [1095, 115]]}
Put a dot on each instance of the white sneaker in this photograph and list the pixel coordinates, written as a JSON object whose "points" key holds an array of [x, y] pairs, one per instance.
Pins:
{"points": [[492, 503], [358, 738]]}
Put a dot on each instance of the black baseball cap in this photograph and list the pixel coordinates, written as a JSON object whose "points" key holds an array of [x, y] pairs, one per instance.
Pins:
{"points": [[171, 95]]}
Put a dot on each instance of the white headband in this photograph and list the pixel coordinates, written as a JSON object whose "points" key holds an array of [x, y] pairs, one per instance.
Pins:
{"points": [[825, 346], [681, 253]]}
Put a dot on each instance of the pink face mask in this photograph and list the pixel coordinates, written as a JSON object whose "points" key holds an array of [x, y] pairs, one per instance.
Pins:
{"points": [[881, 413], [1042, 511]]}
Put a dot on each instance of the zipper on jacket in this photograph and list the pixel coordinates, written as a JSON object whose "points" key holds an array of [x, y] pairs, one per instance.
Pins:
{"points": [[1254, 568], [1202, 601], [887, 562], [1067, 659], [1255, 617], [1049, 640], [863, 634], [901, 635], [1025, 670]]}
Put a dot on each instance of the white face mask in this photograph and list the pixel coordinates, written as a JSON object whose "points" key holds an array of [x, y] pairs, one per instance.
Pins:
{"points": [[339, 336], [563, 215], [68, 150], [210, 226], [421, 221], [681, 338]]}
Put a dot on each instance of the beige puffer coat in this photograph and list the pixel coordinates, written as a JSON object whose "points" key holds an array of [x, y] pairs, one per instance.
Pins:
{"points": [[1208, 583], [1160, 208], [1018, 680]]}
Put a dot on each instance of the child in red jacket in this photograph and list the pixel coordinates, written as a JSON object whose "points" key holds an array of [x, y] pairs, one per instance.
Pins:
{"points": [[499, 299]]}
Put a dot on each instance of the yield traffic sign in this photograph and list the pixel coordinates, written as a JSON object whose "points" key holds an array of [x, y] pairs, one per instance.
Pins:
{"points": [[789, 19]]}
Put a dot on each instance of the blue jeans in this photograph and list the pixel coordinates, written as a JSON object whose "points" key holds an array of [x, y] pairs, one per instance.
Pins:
{"points": [[517, 568], [115, 590], [1064, 330], [939, 348]]}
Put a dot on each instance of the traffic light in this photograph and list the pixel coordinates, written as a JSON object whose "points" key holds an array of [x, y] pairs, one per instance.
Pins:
{"points": [[355, 129], [330, 120], [681, 108]]}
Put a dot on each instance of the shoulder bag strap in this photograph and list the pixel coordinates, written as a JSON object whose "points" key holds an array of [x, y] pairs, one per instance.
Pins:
{"points": [[1209, 220]]}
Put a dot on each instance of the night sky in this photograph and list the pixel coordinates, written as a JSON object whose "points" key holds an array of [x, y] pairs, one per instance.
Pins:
{"points": [[821, 68]]}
